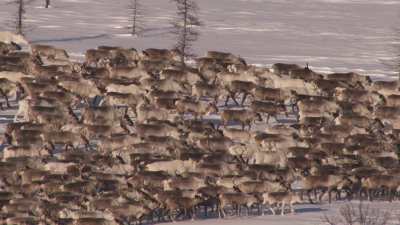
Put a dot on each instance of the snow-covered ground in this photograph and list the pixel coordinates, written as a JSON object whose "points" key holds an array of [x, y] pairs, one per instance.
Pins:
{"points": [[305, 215], [332, 35]]}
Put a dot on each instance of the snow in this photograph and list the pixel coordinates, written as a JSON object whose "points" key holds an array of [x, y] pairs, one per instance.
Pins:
{"points": [[332, 35], [306, 214]]}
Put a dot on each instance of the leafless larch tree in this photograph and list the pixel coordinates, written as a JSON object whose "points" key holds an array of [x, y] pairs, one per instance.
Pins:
{"points": [[184, 27], [47, 3], [20, 15], [135, 17]]}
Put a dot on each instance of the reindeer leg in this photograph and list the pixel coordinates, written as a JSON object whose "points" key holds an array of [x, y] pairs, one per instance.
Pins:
{"points": [[17, 95], [315, 195], [216, 100], [223, 212], [390, 196], [71, 112], [262, 206], [6, 97], [309, 196], [349, 195], [126, 116], [52, 146], [338, 194], [295, 108], [94, 101], [169, 213], [128, 119], [87, 142], [244, 98], [283, 209], [159, 215], [185, 213], [274, 144], [272, 210], [227, 100], [193, 216], [360, 193], [276, 117], [233, 96], [370, 192], [124, 127], [330, 196], [302, 195], [321, 195], [220, 209], [7, 101], [292, 208]]}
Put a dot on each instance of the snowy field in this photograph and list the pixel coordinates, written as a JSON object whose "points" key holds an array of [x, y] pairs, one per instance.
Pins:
{"points": [[332, 35], [305, 215]]}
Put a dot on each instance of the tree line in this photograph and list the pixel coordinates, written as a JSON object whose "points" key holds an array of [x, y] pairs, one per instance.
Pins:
{"points": [[184, 24]]}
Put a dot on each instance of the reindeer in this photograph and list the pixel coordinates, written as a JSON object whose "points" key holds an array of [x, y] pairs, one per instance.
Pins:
{"points": [[6, 88], [236, 200], [284, 69], [198, 109], [6, 48], [327, 183], [49, 52], [283, 198], [305, 74], [269, 108], [9, 37], [245, 117], [100, 57], [203, 89], [160, 54]]}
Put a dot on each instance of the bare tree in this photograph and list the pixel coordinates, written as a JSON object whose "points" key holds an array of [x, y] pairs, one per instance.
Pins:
{"points": [[20, 15], [21, 12], [136, 14], [184, 27], [361, 214]]}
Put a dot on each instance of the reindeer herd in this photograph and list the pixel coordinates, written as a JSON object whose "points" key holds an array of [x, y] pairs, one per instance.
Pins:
{"points": [[130, 137]]}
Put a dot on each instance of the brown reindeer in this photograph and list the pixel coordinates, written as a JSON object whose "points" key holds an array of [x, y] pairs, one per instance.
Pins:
{"points": [[245, 117]]}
